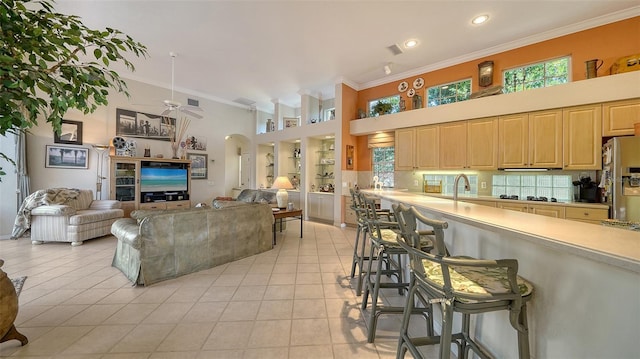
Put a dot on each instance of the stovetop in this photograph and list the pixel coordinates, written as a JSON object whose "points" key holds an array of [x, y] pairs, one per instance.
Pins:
{"points": [[529, 198]]}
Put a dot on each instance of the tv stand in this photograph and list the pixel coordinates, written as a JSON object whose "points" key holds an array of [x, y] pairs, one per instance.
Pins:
{"points": [[124, 183]]}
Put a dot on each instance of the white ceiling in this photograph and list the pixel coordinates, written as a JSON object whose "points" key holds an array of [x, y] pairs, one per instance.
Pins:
{"points": [[268, 51]]}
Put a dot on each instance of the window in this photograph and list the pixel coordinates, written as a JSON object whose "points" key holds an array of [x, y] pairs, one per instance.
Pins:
{"points": [[448, 93], [393, 100], [541, 74], [383, 165]]}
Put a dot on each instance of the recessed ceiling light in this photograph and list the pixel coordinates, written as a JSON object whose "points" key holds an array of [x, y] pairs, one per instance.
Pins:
{"points": [[411, 43], [480, 19]]}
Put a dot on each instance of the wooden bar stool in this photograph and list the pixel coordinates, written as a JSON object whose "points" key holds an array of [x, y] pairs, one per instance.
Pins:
{"points": [[460, 285]]}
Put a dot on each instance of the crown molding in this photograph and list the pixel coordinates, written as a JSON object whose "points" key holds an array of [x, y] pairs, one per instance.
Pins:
{"points": [[543, 36]]}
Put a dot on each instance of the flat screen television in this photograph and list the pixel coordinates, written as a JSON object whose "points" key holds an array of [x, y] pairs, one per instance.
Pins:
{"points": [[162, 179]]}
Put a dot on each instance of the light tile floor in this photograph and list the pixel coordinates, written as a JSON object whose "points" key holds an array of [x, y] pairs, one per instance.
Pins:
{"points": [[295, 301]]}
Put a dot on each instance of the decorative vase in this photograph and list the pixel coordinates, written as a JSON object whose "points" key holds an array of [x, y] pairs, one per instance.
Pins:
{"points": [[8, 309]]}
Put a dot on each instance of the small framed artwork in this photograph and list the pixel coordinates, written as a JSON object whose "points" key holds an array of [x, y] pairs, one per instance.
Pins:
{"points": [[290, 122], [349, 152], [70, 133], [198, 165], [66, 157]]}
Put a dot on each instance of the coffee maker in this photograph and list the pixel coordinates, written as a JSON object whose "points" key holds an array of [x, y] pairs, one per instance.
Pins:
{"points": [[586, 190]]}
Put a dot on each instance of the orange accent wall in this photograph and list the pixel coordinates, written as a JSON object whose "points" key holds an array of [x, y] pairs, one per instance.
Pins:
{"points": [[363, 154], [608, 42], [349, 100]]}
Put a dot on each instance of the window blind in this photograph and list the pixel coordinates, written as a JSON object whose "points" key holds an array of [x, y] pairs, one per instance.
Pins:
{"points": [[383, 139]]}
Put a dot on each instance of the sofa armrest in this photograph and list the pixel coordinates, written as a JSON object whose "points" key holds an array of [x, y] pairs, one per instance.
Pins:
{"points": [[127, 230], [53, 210], [105, 204]]}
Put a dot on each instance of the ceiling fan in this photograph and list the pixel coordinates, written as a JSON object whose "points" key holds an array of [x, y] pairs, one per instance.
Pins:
{"points": [[172, 105]]}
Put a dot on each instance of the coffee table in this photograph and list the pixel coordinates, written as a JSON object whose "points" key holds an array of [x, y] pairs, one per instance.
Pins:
{"points": [[281, 215]]}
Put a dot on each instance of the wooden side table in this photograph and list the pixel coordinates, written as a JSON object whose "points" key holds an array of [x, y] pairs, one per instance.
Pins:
{"points": [[282, 214]]}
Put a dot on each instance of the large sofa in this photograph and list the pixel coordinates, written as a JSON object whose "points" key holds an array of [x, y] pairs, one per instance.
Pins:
{"points": [[69, 215], [248, 196], [162, 244]]}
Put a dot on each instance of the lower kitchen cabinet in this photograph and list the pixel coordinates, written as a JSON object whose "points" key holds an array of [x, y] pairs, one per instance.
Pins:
{"points": [[540, 209], [589, 215], [320, 206], [350, 216]]}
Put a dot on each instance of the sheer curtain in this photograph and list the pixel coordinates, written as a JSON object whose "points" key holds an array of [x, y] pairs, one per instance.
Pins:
{"points": [[23, 188]]}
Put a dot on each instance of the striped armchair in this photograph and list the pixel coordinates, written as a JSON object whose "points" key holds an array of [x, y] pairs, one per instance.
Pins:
{"points": [[75, 221]]}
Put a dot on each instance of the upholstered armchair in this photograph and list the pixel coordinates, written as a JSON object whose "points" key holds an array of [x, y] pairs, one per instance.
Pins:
{"points": [[75, 220]]}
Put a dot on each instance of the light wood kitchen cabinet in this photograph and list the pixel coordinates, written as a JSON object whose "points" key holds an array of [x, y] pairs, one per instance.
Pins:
{"points": [[482, 144], [546, 210], [480, 202], [582, 133], [405, 148], [350, 216], [530, 140], [585, 214], [453, 145], [520, 207], [619, 117], [513, 141], [416, 148], [427, 147], [539, 209]]}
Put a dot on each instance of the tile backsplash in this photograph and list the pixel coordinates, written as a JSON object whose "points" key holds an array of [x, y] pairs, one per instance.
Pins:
{"points": [[449, 180], [557, 186]]}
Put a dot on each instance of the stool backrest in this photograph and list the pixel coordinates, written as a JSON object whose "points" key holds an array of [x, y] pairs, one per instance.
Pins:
{"points": [[444, 270], [408, 218]]}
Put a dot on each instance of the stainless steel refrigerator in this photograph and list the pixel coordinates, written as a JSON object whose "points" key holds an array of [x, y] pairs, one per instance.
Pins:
{"points": [[621, 177]]}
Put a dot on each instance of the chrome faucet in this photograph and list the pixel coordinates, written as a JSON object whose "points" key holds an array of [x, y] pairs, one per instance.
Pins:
{"points": [[467, 186]]}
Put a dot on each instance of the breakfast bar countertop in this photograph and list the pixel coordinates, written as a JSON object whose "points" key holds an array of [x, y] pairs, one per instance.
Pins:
{"points": [[614, 246]]}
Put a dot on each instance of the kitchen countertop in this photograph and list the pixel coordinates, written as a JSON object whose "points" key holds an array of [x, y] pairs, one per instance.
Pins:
{"points": [[613, 246]]}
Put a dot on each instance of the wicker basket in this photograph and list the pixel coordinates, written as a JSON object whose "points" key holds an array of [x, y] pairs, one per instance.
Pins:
{"points": [[433, 186]]}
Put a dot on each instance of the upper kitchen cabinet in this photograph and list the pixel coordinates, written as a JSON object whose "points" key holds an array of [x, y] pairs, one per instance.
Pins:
{"points": [[405, 149], [530, 140], [469, 144], [453, 145], [582, 132], [482, 144], [417, 148], [619, 117], [427, 147]]}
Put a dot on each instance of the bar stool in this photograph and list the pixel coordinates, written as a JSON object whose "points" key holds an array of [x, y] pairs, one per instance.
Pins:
{"points": [[460, 284], [362, 230], [386, 250], [358, 253]]}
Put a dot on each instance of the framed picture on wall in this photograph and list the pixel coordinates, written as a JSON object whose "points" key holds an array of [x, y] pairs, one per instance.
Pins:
{"points": [[290, 122], [66, 157], [198, 165], [70, 133]]}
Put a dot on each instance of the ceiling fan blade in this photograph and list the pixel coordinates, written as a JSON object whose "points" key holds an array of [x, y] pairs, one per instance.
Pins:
{"points": [[192, 108], [190, 113], [166, 112]]}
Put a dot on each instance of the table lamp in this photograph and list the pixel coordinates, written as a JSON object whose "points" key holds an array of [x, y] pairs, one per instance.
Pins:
{"points": [[282, 184]]}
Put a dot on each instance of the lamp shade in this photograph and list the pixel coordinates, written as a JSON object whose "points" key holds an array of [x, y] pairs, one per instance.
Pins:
{"points": [[282, 184]]}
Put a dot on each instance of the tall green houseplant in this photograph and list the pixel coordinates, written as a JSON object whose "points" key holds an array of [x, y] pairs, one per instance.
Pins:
{"points": [[51, 62]]}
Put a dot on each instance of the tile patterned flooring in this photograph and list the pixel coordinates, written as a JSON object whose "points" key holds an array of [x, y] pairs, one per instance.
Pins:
{"points": [[295, 301]]}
